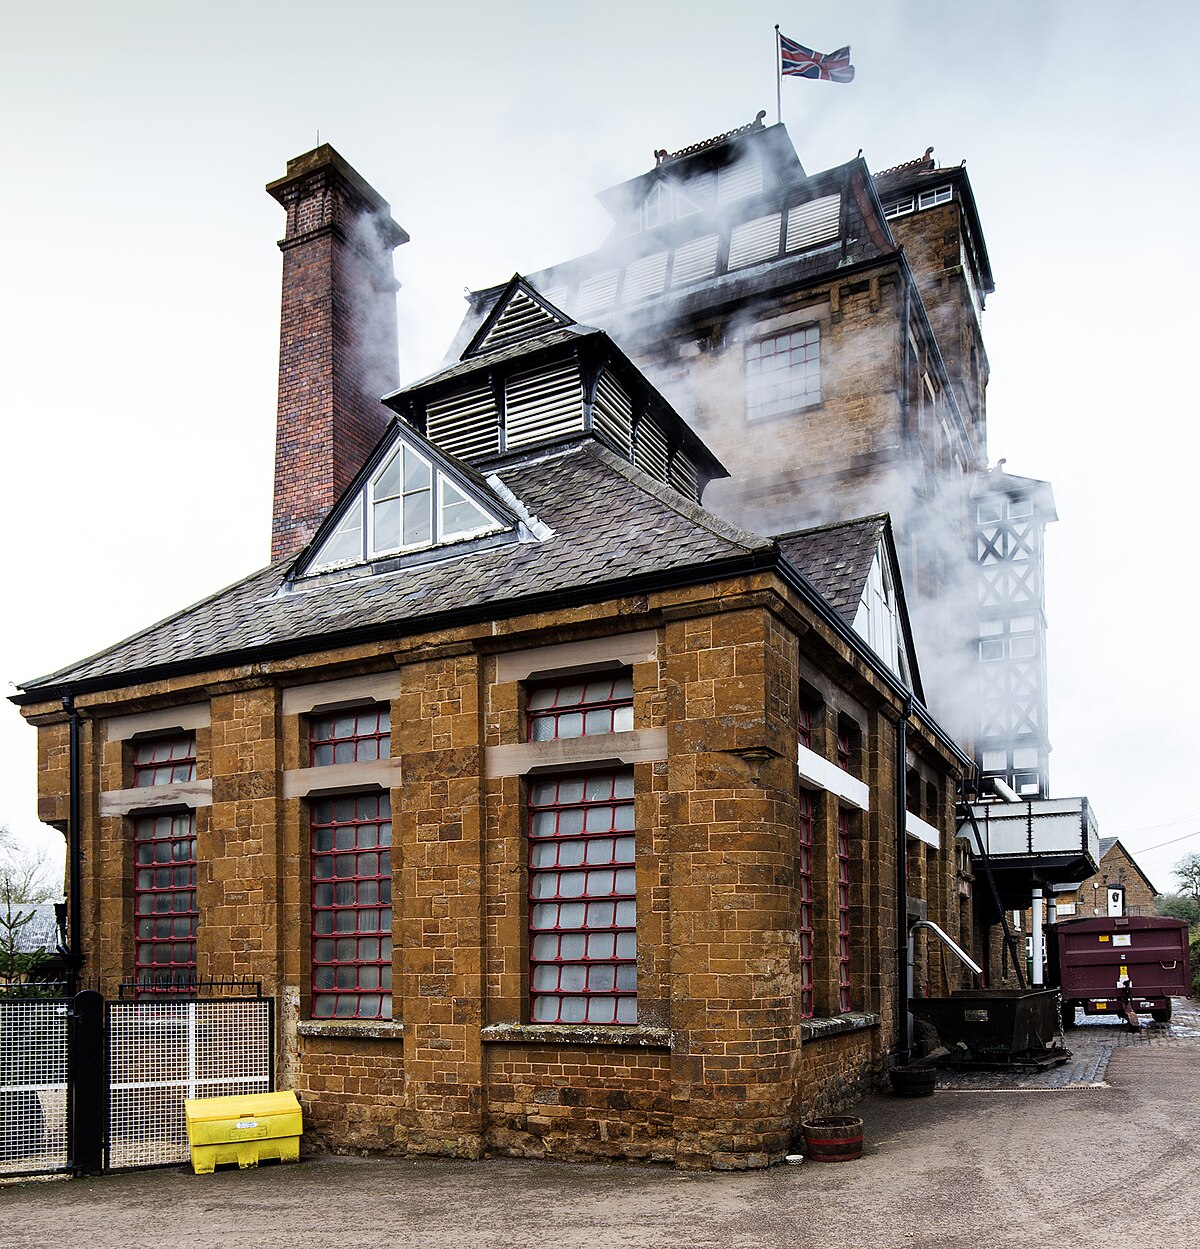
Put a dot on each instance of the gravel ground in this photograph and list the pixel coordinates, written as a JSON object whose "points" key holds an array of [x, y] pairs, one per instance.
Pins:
{"points": [[1107, 1152]]}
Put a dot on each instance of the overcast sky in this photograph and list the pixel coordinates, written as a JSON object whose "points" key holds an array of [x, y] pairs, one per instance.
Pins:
{"points": [[139, 282]]}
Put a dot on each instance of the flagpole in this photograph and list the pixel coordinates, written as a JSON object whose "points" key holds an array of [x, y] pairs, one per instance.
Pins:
{"points": [[778, 80]]}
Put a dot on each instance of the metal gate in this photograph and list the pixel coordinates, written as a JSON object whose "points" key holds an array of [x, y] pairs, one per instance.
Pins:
{"points": [[35, 1098], [161, 1052]]}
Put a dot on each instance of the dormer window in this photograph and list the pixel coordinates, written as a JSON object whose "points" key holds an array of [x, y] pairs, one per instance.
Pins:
{"points": [[878, 618], [657, 208], [409, 503], [401, 495]]}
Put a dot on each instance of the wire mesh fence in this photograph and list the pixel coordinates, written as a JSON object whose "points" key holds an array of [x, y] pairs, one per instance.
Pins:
{"points": [[34, 1100], [162, 1052]]}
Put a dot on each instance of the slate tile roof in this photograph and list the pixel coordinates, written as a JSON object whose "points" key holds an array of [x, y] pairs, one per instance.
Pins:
{"points": [[610, 522], [38, 932], [837, 559], [485, 363]]}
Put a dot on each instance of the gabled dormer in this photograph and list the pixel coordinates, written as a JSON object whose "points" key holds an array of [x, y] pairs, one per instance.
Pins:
{"points": [[519, 315], [409, 499], [855, 568], [877, 618], [530, 378]]}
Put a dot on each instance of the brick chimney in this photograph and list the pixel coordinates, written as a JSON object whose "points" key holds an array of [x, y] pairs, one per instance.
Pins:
{"points": [[337, 338]]}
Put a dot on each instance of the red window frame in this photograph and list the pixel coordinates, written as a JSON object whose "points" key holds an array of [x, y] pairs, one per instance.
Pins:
{"points": [[804, 889], [351, 873], [845, 748], [164, 760], [806, 721], [582, 899], [583, 707], [166, 917], [843, 883], [359, 735]]}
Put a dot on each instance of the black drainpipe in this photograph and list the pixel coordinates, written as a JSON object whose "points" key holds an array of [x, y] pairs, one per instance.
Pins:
{"points": [[74, 930], [902, 1050], [906, 365]]}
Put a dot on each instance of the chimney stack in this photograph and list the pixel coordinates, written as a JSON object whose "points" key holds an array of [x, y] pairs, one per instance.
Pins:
{"points": [[337, 338]]}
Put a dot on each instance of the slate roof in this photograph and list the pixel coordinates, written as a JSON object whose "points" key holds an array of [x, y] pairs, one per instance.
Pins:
{"points": [[486, 363], [38, 933], [837, 559], [610, 523]]}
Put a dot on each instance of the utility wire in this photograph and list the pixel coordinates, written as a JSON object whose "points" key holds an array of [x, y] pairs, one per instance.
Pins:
{"points": [[1185, 837]]}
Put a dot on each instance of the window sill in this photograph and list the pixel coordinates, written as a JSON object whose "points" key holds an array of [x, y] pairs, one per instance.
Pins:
{"points": [[352, 1029], [851, 1021], [578, 1034]]}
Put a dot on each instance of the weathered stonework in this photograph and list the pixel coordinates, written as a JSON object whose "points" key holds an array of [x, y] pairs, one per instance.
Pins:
{"points": [[720, 1068]]}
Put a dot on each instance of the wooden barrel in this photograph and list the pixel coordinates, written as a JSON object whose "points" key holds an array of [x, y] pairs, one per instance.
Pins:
{"points": [[919, 1080], [833, 1138]]}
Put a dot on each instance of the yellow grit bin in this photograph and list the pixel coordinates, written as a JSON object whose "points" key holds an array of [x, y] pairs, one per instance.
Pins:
{"points": [[249, 1129]]}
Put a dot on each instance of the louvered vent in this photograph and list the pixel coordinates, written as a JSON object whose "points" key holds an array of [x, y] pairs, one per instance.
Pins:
{"points": [[813, 223], [542, 404], [650, 448], [612, 414], [695, 260], [522, 318], [596, 292], [752, 241], [702, 188], [738, 181], [644, 277], [556, 295], [683, 476], [465, 423]]}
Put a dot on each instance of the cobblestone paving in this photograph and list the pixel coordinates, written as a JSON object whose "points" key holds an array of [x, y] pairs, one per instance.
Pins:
{"points": [[1092, 1043]]}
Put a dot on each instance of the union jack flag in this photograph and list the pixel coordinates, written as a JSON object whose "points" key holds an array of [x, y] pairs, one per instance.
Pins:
{"points": [[796, 59]]}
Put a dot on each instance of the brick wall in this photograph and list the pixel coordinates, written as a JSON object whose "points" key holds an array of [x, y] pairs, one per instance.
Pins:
{"points": [[1116, 868]]}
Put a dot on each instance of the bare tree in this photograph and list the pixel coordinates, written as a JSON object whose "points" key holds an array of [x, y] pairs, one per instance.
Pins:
{"points": [[24, 874], [1187, 872], [24, 884]]}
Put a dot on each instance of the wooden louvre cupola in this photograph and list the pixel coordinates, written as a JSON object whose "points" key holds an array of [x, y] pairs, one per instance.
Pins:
{"points": [[530, 377]]}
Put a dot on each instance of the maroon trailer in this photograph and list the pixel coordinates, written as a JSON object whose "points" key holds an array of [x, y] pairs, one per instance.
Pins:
{"points": [[1120, 965]]}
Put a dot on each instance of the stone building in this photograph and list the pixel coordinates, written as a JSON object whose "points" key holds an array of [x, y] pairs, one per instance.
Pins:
{"points": [[823, 333], [561, 816], [1118, 867]]}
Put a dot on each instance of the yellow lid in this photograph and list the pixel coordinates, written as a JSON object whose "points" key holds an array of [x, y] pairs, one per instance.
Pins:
{"points": [[240, 1106]]}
